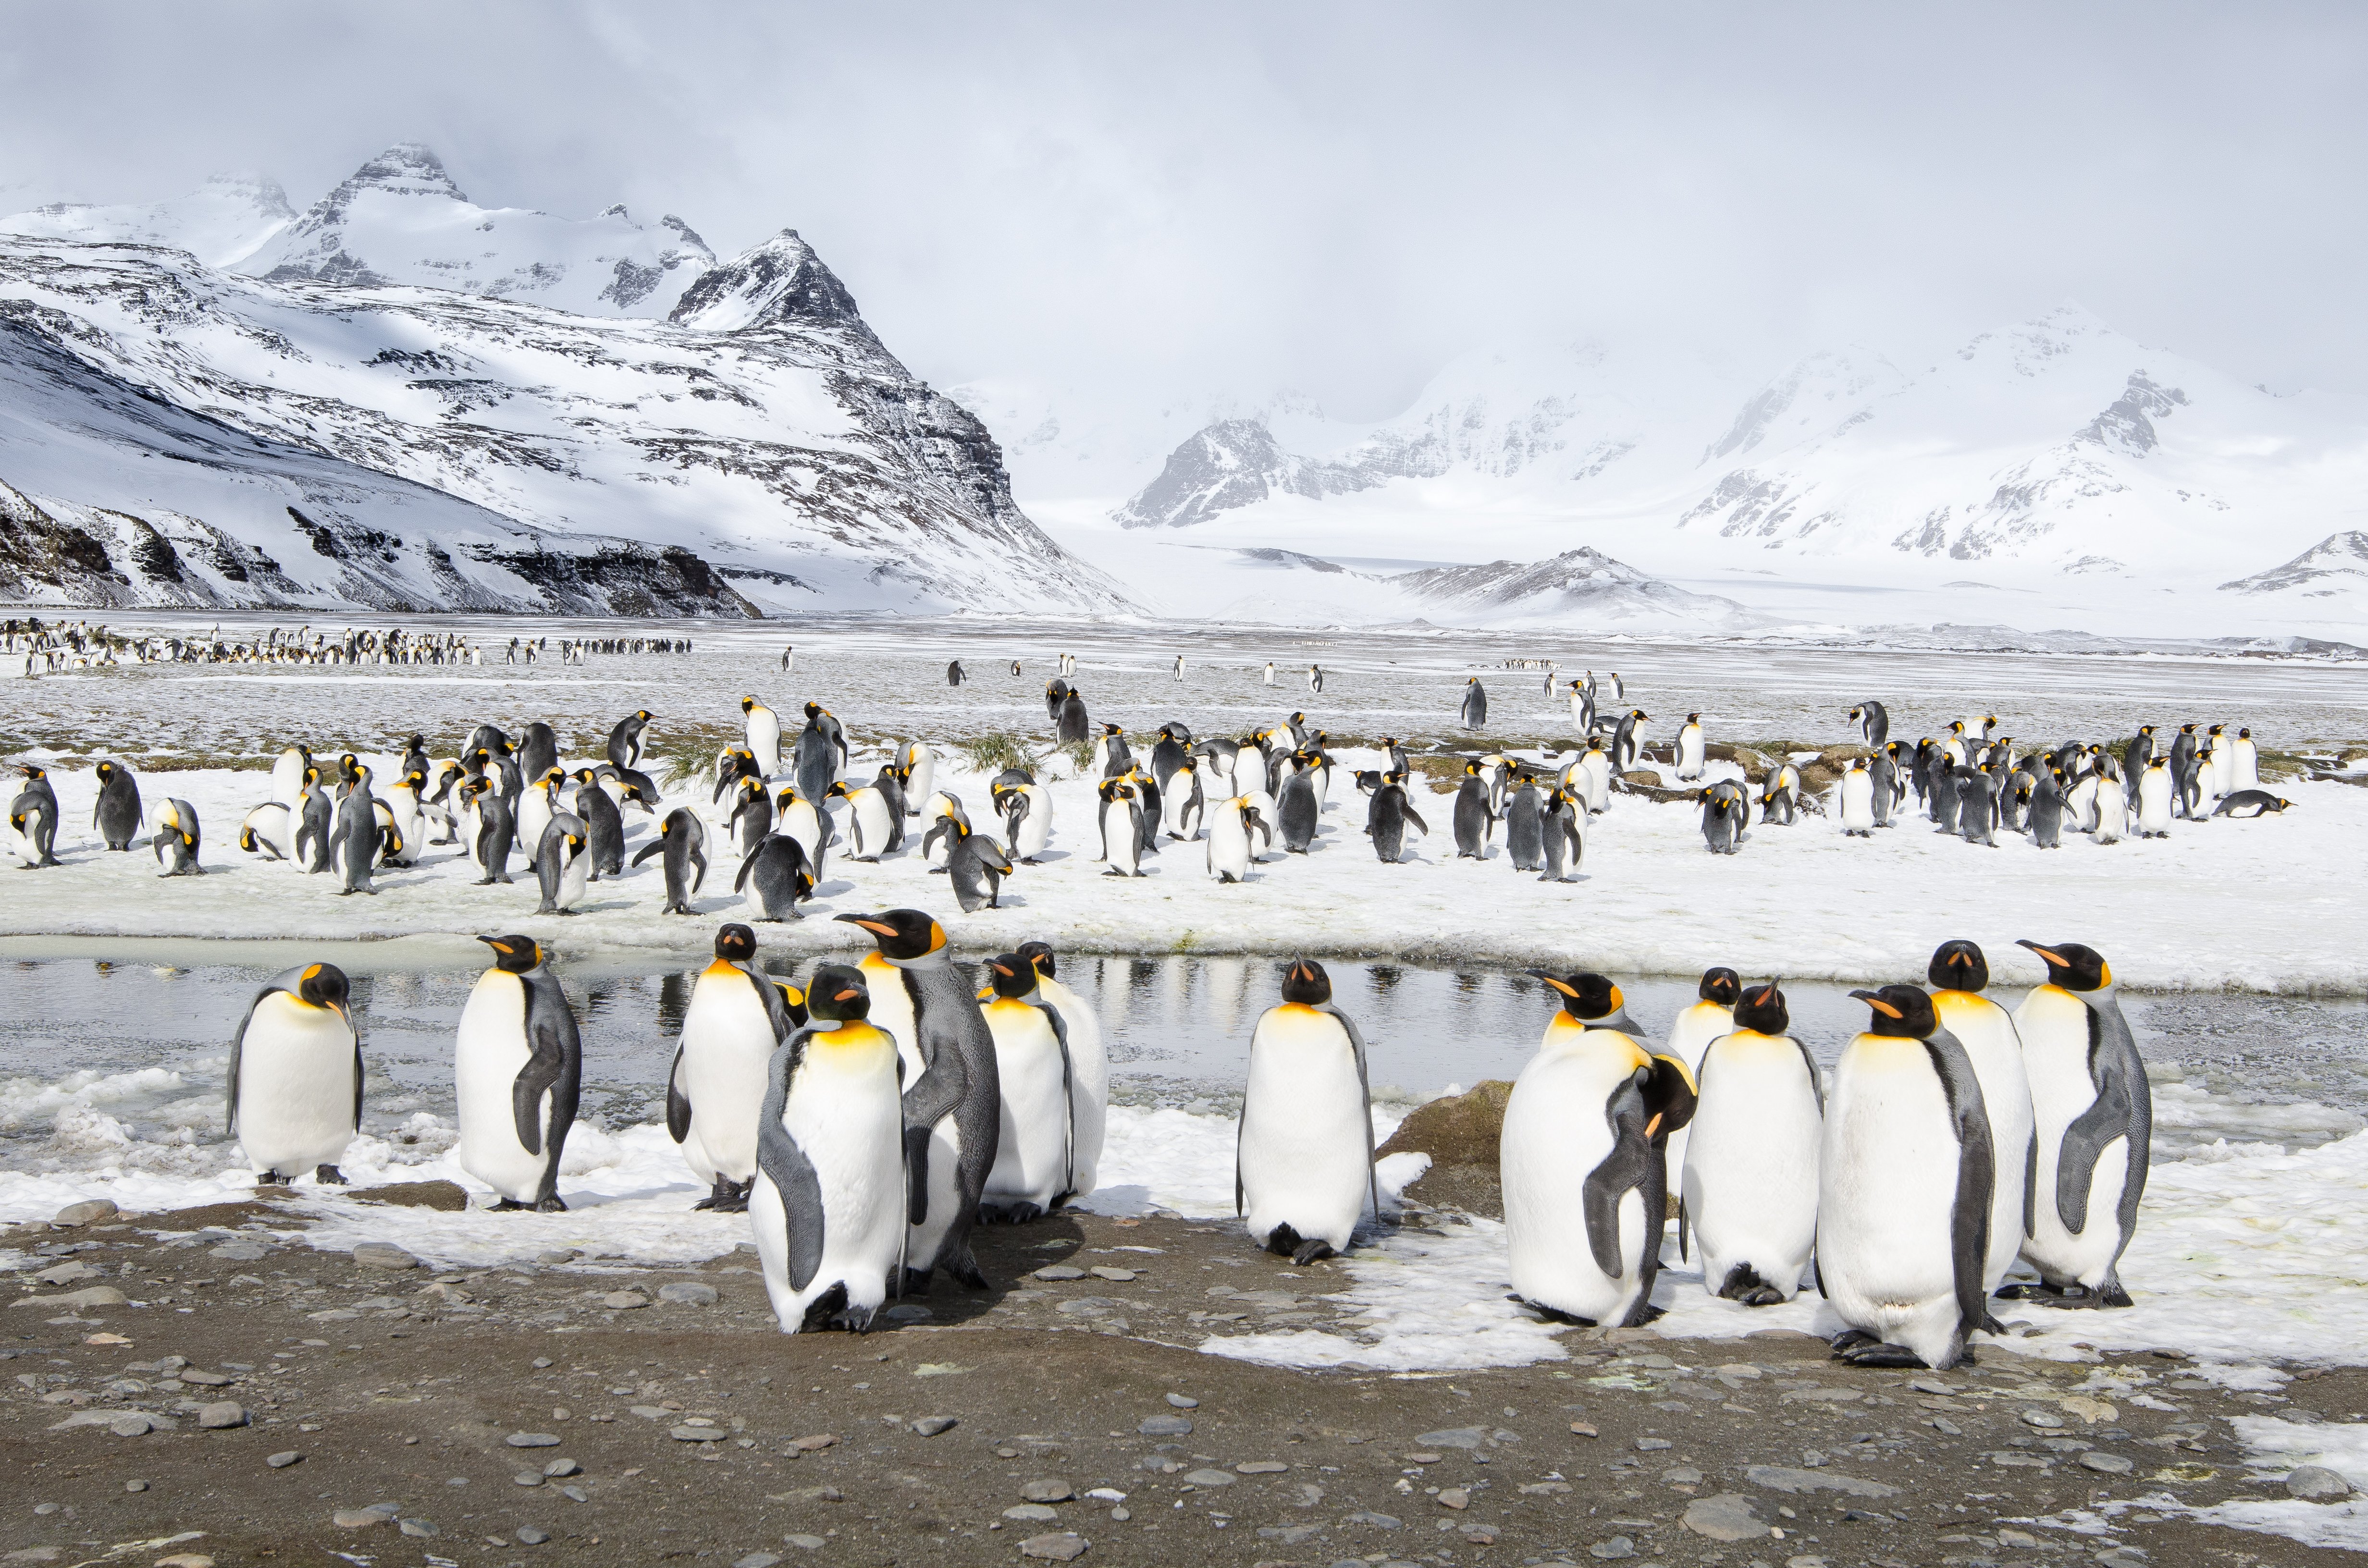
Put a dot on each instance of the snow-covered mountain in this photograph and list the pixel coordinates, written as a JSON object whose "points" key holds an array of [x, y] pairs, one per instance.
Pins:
{"points": [[222, 224], [302, 430]]}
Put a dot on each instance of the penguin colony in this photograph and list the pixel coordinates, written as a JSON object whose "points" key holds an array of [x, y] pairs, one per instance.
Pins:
{"points": [[31, 648]]}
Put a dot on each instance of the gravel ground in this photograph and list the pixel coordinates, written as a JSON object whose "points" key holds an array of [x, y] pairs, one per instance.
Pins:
{"points": [[270, 1402]]}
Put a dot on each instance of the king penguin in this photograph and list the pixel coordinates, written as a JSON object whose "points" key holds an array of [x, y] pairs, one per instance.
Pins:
{"points": [[1088, 1065], [1711, 1015], [1905, 1179], [1959, 973], [33, 819], [952, 1102], [2094, 1114], [829, 1201], [1475, 705], [1748, 1183], [176, 839], [518, 1068], [1585, 1175], [762, 735], [682, 839], [117, 815], [1036, 1137], [296, 1077], [1304, 1147], [737, 1018]]}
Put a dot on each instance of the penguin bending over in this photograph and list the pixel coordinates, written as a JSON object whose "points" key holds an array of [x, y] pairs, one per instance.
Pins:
{"points": [[1034, 1152], [829, 1199], [265, 832], [1725, 810], [1905, 1176], [33, 819], [1586, 1179], [737, 1019], [1304, 1147], [2094, 1114], [175, 841], [518, 1069], [952, 1100], [1874, 722], [1749, 1182], [682, 839], [295, 1092], [976, 867], [777, 876], [562, 864], [2249, 803]]}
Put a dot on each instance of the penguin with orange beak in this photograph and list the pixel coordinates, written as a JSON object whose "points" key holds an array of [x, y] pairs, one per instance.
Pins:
{"points": [[296, 1077]]}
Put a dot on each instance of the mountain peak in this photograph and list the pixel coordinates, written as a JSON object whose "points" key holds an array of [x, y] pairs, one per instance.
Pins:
{"points": [[408, 168], [780, 282]]}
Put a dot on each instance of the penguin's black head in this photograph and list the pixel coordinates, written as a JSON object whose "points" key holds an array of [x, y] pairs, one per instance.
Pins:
{"points": [[324, 985], [1305, 983], [644, 714], [1958, 966], [1762, 1008], [748, 704], [1584, 995], [901, 933], [1693, 718], [514, 954], [813, 709], [106, 770], [1114, 728], [1039, 954], [29, 771], [836, 993], [2245, 734], [1011, 977], [1719, 985], [1472, 767], [1902, 1012], [735, 942], [418, 743], [2072, 966]]}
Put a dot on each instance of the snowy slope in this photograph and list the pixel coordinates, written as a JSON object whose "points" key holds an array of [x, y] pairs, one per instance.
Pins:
{"points": [[763, 436], [222, 224]]}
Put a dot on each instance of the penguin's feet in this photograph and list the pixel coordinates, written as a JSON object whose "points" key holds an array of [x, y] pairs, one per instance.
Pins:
{"points": [[2027, 1290], [936, 870], [1765, 1296], [329, 1175], [916, 1283], [965, 1270], [729, 1197], [271, 1178], [504, 1204], [826, 1308], [856, 1319], [551, 1204], [1551, 1315], [1314, 1250]]}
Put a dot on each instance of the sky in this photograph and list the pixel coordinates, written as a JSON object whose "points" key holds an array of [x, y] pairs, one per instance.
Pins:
{"points": [[1140, 201]]}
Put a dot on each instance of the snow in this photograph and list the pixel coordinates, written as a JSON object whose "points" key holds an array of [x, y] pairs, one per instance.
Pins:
{"points": [[2275, 1446]]}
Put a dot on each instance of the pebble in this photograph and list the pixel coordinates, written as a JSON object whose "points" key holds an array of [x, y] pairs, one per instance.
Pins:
{"points": [[135, 1486], [1367, 1517], [820, 1440], [1165, 1426], [356, 1518], [186, 1559], [1466, 1437], [540, 1362], [1612, 1550], [1060, 1271], [1777, 1478], [48, 1508], [1455, 1498], [528, 1478], [2043, 1419], [699, 1434], [68, 1273], [89, 1211], [1104, 1271], [1653, 1445], [132, 1425], [1057, 1548], [1183, 1402], [2107, 1464], [1121, 1515], [1683, 1475], [382, 1254], [554, 1256], [559, 1467], [1726, 1516], [805, 1542], [1047, 1492], [690, 1293], [1031, 1514], [2315, 1483], [530, 1536], [241, 1252], [282, 1460], [1209, 1478], [1261, 1467], [756, 1560], [422, 1530], [531, 1440], [203, 1380], [930, 1426], [624, 1301]]}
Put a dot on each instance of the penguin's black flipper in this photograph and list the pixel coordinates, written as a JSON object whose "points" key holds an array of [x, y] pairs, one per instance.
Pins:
{"points": [[1415, 817], [786, 1166], [677, 1103], [1622, 1169], [654, 846], [357, 1080], [540, 1074]]}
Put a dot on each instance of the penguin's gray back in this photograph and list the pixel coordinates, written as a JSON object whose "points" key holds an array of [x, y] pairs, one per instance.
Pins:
{"points": [[1525, 829], [117, 814], [356, 836], [1474, 817], [772, 869], [604, 827], [1297, 807], [977, 866], [817, 761]]}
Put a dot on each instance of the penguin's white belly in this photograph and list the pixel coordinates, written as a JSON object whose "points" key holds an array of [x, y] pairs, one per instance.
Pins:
{"points": [[1036, 827], [296, 1086], [404, 805], [1555, 1133], [1858, 802], [1751, 1176], [1991, 1044], [1089, 1083], [945, 1196], [846, 1119], [2054, 1024], [892, 1012], [2153, 801], [924, 777], [1690, 755], [2223, 768], [533, 816], [2247, 770], [1595, 772], [1229, 844], [765, 740], [1689, 1038], [1121, 846], [869, 817], [490, 1054], [801, 823], [1886, 1192], [288, 781], [1305, 1129], [727, 1041], [1031, 1154], [574, 874]]}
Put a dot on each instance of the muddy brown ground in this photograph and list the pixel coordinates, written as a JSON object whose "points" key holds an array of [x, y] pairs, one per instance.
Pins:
{"points": [[691, 1431]]}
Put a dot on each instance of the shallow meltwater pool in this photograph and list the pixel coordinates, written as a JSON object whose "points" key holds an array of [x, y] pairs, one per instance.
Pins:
{"points": [[120, 1060]]}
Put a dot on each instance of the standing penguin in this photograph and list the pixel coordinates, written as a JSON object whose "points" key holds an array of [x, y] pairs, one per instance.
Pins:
{"points": [[1749, 1182], [737, 1019], [562, 864], [2155, 800], [1088, 1067], [518, 1068], [2045, 814], [2094, 1117], [175, 841], [1582, 706], [682, 839], [776, 877], [1958, 972], [1120, 816], [2245, 764], [1385, 820], [1711, 1015], [1855, 800], [289, 772], [952, 1101], [625, 740], [1475, 817], [604, 824], [1585, 1177], [921, 769], [1303, 1147], [1874, 722], [1624, 739], [829, 1201], [875, 825], [295, 1087], [117, 815], [1074, 726], [1298, 807], [1525, 828], [1230, 851], [2139, 752], [33, 819], [821, 752], [954, 672], [804, 821], [1566, 837], [762, 728], [1906, 1177], [1689, 750], [1036, 1135], [356, 838], [490, 846], [1475, 705], [538, 752], [977, 866]]}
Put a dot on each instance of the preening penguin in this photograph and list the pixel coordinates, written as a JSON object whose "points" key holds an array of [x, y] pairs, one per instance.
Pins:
{"points": [[762, 735], [518, 1068], [1874, 722], [1303, 1147], [777, 876], [1959, 973], [682, 839], [1033, 1165], [295, 1094], [920, 767], [175, 840], [1588, 1116], [976, 867], [1475, 705], [33, 820], [1120, 817], [2094, 1117], [562, 864], [1904, 1181], [952, 1101], [117, 815], [1027, 811], [625, 740], [1725, 809], [828, 1201], [1088, 1068], [738, 1016], [266, 832], [1748, 1181]]}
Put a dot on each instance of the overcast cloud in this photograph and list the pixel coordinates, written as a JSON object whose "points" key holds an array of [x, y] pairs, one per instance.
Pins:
{"points": [[1332, 197]]}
